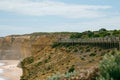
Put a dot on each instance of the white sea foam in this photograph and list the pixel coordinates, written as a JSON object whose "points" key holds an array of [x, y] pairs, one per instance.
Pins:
{"points": [[1, 64], [2, 79], [1, 71]]}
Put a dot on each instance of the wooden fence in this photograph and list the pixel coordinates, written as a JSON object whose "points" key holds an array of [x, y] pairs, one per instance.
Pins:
{"points": [[107, 42]]}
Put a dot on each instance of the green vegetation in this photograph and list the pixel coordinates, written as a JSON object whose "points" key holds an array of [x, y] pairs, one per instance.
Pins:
{"points": [[116, 32], [71, 69], [27, 60], [76, 35], [46, 61], [92, 54], [30, 60], [39, 33], [58, 76], [38, 64], [82, 58], [22, 78], [87, 50], [110, 67], [55, 44], [85, 34], [93, 34]]}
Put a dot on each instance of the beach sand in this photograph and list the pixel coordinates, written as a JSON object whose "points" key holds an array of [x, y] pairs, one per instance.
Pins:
{"points": [[10, 69]]}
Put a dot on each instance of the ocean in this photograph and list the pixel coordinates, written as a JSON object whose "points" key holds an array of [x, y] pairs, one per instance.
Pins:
{"points": [[1, 71], [10, 70]]}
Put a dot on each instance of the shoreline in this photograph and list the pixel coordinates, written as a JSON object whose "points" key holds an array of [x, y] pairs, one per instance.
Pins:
{"points": [[9, 70]]}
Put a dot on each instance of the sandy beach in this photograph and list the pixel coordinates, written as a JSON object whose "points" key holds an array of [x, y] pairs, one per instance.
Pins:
{"points": [[9, 70]]}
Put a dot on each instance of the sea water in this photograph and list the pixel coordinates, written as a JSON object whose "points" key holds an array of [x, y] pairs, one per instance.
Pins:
{"points": [[1, 64], [2, 79], [1, 71]]}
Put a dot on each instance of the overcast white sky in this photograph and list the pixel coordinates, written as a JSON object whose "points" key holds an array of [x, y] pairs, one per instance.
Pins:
{"points": [[27, 16]]}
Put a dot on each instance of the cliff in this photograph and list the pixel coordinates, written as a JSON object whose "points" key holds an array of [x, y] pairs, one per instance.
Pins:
{"points": [[22, 46], [48, 59], [43, 58], [14, 47]]}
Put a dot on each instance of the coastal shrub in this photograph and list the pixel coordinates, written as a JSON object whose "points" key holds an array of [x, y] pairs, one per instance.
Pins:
{"points": [[82, 58], [96, 35], [27, 60], [103, 53], [71, 69], [49, 57], [48, 68], [76, 35], [92, 60], [55, 77], [30, 60], [46, 60], [75, 50], [58, 76], [92, 54], [55, 44], [87, 50], [22, 78], [116, 33], [38, 64], [110, 67]]}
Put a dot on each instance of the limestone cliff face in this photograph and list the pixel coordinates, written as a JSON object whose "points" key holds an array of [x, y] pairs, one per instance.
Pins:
{"points": [[14, 47], [22, 46]]}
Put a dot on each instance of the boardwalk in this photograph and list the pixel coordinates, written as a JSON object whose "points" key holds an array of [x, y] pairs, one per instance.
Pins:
{"points": [[107, 42]]}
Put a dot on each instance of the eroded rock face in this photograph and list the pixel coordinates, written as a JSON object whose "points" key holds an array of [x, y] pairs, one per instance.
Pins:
{"points": [[22, 46], [14, 47]]}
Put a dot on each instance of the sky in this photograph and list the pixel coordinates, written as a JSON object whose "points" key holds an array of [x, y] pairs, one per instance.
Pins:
{"points": [[28, 16]]}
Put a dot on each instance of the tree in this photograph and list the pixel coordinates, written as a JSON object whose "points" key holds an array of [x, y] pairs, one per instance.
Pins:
{"points": [[102, 29]]}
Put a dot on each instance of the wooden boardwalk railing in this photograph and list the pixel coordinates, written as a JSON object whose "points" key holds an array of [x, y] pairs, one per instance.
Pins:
{"points": [[107, 42]]}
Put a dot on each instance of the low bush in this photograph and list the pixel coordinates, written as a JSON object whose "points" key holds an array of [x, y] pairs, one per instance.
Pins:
{"points": [[58, 76], [27, 60], [110, 67], [46, 61], [92, 54], [38, 64], [71, 69], [55, 44]]}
